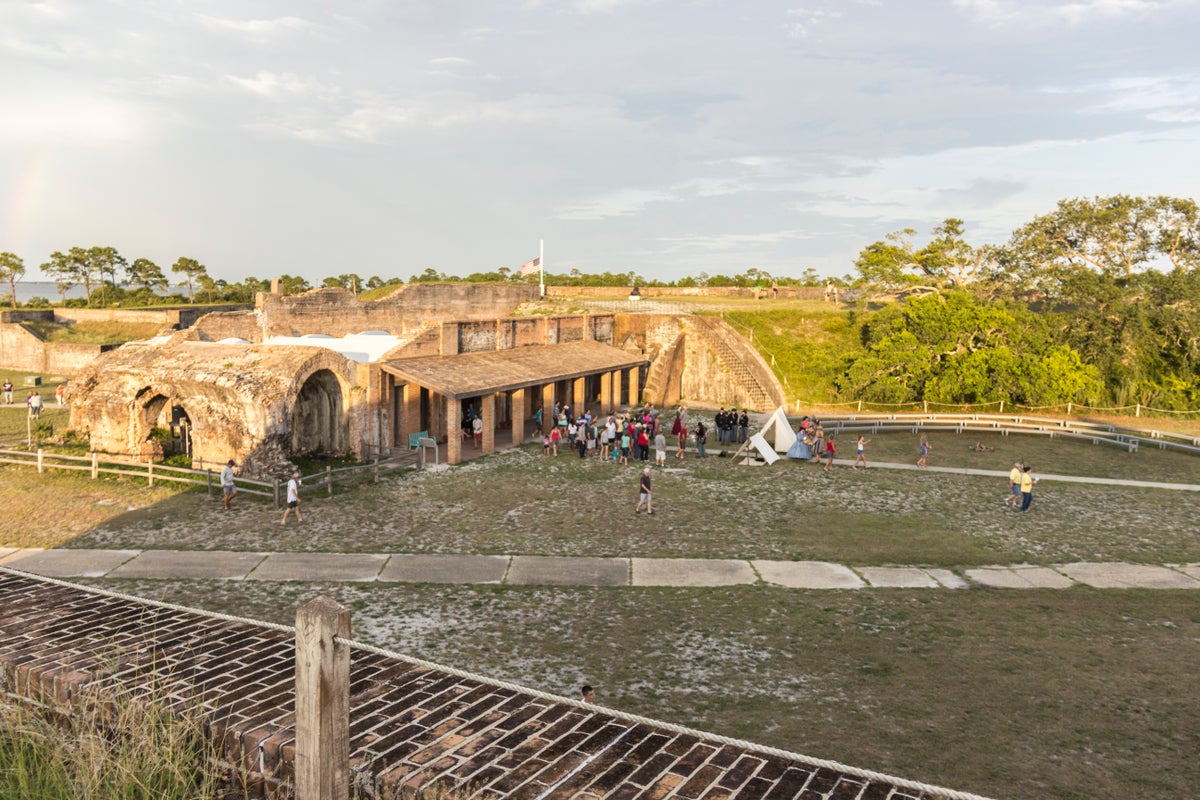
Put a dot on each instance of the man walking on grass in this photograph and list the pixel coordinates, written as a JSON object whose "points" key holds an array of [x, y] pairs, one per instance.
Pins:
{"points": [[228, 487], [644, 496], [1013, 499], [293, 499]]}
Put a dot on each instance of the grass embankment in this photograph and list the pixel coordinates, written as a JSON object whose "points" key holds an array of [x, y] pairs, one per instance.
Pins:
{"points": [[94, 332]]}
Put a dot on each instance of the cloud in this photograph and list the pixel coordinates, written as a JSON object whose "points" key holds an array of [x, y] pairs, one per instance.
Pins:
{"points": [[70, 119], [614, 204], [281, 86], [1023, 12], [260, 28], [729, 241]]}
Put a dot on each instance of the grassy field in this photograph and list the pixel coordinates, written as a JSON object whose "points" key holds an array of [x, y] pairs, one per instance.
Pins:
{"points": [[1012, 694], [94, 331]]}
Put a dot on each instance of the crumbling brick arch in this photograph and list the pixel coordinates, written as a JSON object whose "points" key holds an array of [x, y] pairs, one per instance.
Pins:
{"points": [[320, 419]]}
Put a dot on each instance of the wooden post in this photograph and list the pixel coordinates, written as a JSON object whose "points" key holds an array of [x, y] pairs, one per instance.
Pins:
{"points": [[329, 479], [322, 701], [274, 489], [150, 471], [376, 470], [96, 466], [39, 460], [208, 474]]}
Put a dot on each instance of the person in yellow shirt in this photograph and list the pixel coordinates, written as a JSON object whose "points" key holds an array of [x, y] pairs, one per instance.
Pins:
{"points": [[1013, 498], [1027, 482]]}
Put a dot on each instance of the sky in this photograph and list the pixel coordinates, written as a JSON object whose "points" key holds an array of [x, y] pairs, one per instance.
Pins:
{"points": [[660, 137]]}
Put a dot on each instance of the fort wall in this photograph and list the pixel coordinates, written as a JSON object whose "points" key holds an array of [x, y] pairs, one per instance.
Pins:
{"points": [[789, 292]]}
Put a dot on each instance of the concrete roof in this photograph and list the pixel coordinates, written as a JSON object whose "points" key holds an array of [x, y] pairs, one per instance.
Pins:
{"points": [[501, 370], [366, 347]]}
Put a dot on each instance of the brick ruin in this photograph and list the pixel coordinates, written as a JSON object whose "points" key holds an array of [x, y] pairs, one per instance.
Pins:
{"points": [[324, 373], [413, 725]]}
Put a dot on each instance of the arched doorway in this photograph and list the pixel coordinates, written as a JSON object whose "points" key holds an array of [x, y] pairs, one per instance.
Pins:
{"points": [[165, 424], [319, 417]]}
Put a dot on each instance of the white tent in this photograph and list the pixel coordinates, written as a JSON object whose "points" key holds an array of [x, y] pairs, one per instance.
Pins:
{"points": [[764, 448], [778, 431]]}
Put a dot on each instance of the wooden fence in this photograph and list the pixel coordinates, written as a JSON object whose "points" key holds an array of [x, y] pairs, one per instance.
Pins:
{"points": [[96, 465]]}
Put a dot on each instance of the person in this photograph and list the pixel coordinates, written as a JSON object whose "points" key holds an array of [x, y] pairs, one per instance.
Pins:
{"points": [[1027, 482], [679, 448], [625, 442], [8, 391], [59, 392], [555, 438], [587, 694], [1013, 498], [644, 494], [35, 405], [774, 290], [660, 449], [924, 448], [743, 426], [293, 499], [830, 452], [545, 444], [228, 487], [537, 420], [859, 446], [477, 431], [643, 444], [701, 438]]}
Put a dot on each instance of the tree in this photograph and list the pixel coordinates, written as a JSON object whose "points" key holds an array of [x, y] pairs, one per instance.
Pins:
{"points": [[293, 284], [59, 268], [104, 263], [192, 270], [11, 270], [145, 273], [79, 261], [1117, 236], [946, 261]]}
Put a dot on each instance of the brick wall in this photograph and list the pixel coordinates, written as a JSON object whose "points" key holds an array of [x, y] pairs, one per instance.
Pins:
{"points": [[412, 726], [21, 349], [791, 292]]}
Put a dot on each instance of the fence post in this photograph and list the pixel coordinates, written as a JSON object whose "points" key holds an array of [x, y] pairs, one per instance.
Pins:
{"points": [[275, 491], [1069, 406], [860, 406], [150, 471], [1001, 406], [1138, 411], [95, 465], [329, 479], [322, 701], [926, 402], [376, 470], [208, 472], [40, 461]]}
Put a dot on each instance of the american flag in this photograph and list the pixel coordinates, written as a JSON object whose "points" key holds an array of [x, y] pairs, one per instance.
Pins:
{"points": [[531, 267]]}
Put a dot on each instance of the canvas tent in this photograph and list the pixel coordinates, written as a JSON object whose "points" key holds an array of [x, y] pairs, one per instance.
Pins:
{"points": [[778, 431]]}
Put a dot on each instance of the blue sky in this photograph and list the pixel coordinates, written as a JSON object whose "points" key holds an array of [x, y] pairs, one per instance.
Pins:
{"points": [[668, 138]]}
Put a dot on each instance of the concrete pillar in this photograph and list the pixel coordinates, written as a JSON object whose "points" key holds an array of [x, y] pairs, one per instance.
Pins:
{"points": [[635, 391], [489, 423], [606, 393], [449, 346], [453, 431], [578, 387], [616, 388], [548, 420], [411, 411], [520, 410]]}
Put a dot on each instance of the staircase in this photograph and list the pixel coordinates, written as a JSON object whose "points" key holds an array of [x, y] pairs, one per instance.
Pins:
{"points": [[715, 335]]}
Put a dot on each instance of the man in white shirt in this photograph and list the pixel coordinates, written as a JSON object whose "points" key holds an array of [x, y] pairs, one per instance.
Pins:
{"points": [[293, 499], [228, 488]]}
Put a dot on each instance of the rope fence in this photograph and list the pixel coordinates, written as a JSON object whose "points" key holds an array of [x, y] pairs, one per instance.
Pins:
{"points": [[1000, 406]]}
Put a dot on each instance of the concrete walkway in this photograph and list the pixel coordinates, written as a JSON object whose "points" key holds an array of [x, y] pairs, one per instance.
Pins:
{"points": [[580, 571]]}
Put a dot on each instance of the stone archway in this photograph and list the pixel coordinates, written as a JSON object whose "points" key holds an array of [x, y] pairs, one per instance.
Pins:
{"points": [[319, 422]]}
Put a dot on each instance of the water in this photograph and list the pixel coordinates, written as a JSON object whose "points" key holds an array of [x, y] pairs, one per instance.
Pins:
{"points": [[46, 289]]}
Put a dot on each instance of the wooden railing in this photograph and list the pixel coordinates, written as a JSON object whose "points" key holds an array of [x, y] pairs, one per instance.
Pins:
{"points": [[96, 465]]}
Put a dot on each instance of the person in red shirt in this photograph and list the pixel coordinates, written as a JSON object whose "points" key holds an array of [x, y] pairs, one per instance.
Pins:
{"points": [[830, 452]]}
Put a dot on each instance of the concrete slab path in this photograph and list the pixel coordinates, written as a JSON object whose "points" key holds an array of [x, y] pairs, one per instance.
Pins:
{"points": [[567, 571]]}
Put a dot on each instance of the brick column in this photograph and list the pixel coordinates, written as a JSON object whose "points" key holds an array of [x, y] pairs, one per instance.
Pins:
{"points": [[635, 391], [449, 344], [616, 388], [606, 393], [548, 420], [411, 411], [520, 411], [578, 386], [453, 431], [489, 423]]}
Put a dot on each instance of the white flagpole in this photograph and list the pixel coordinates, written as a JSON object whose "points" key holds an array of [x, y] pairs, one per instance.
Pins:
{"points": [[542, 267]]}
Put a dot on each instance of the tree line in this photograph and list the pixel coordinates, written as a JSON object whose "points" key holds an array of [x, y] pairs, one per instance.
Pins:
{"points": [[1096, 302]]}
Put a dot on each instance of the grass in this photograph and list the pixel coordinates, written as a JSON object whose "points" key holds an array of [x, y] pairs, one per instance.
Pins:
{"points": [[715, 509], [1053, 694], [94, 332], [116, 748]]}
